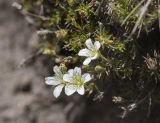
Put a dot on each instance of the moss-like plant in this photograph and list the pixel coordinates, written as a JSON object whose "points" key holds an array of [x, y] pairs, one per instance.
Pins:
{"points": [[114, 27]]}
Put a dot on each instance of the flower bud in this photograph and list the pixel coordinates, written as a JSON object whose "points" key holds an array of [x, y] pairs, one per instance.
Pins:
{"points": [[61, 34], [63, 67], [99, 68]]}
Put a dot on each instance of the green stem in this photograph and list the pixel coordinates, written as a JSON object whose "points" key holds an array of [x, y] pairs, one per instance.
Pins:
{"points": [[104, 58], [132, 12], [97, 89]]}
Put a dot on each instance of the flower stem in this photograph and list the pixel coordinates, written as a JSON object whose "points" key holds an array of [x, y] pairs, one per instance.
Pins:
{"points": [[97, 89], [104, 58]]}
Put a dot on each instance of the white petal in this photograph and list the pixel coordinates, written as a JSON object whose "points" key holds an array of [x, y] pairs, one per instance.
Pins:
{"points": [[69, 89], [57, 91], [52, 81], [97, 45], [81, 90], [84, 52], [86, 77], [89, 44], [77, 71], [71, 71], [87, 61], [67, 77], [57, 71]]}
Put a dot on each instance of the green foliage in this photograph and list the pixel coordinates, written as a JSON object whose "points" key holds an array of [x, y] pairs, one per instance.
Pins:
{"points": [[111, 23], [84, 10], [75, 42], [55, 19], [27, 6]]}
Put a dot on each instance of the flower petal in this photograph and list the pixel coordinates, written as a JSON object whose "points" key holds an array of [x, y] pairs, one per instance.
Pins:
{"points": [[57, 71], [87, 61], [77, 71], [81, 90], [89, 44], [57, 91], [67, 77], [84, 52], [71, 71], [97, 45], [69, 89], [86, 77], [52, 81]]}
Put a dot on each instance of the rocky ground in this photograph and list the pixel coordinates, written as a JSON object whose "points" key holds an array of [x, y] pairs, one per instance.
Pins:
{"points": [[24, 97]]}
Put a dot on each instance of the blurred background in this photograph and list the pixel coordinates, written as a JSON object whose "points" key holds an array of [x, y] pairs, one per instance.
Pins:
{"points": [[24, 97]]}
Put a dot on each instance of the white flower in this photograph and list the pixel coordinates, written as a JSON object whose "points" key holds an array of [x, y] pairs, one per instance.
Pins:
{"points": [[75, 81], [56, 81], [92, 52]]}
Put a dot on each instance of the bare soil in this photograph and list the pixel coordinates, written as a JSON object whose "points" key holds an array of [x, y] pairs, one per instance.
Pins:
{"points": [[24, 98]]}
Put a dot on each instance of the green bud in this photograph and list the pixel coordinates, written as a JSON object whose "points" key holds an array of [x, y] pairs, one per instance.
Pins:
{"points": [[99, 68]]}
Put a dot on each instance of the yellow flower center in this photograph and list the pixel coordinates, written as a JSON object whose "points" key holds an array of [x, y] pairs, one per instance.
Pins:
{"points": [[77, 81], [94, 53]]}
